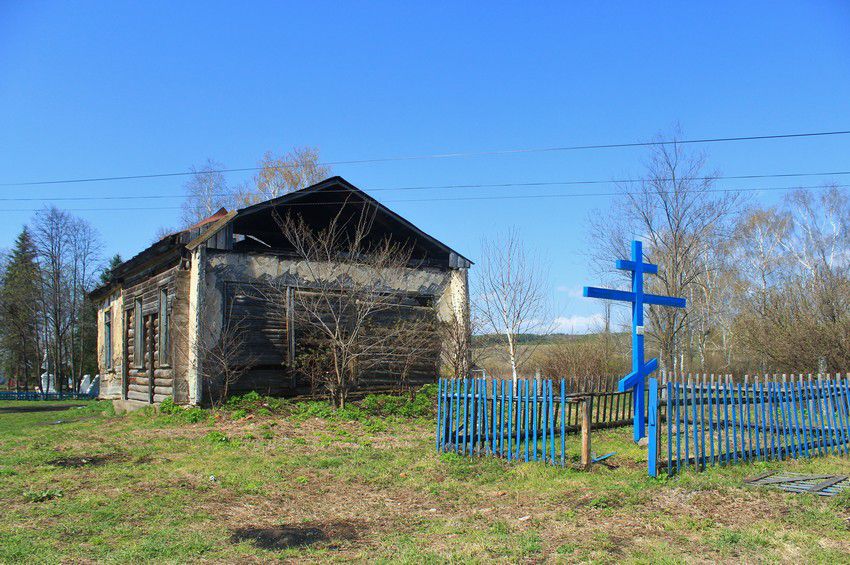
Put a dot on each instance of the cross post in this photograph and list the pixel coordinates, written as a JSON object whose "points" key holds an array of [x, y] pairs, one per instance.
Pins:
{"points": [[638, 298]]}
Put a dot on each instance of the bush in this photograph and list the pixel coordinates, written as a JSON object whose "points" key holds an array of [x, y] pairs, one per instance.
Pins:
{"points": [[247, 400], [253, 402], [420, 406], [167, 406]]}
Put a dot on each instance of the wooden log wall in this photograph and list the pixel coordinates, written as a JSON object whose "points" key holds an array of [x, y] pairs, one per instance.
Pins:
{"points": [[139, 384], [275, 338]]}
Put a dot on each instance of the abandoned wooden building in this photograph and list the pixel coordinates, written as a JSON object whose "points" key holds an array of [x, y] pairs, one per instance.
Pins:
{"points": [[157, 308]]}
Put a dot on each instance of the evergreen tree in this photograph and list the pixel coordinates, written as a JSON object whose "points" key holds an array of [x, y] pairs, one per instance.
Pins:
{"points": [[19, 302], [107, 272]]}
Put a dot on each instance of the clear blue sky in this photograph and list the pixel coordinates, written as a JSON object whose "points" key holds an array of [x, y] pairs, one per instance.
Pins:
{"points": [[99, 89]]}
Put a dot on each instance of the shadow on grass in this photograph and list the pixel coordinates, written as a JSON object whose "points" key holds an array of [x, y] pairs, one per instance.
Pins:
{"points": [[302, 535], [87, 460], [37, 408]]}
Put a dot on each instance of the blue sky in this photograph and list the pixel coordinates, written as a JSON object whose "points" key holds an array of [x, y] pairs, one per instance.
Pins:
{"points": [[99, 89]]}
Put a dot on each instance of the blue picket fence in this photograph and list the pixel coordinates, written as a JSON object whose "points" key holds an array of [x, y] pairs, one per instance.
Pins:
{"points": [[35, 395], [707, 422], [528, 423]]}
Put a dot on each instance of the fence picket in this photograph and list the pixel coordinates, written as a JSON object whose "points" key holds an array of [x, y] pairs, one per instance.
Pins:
{"points": [[839, 416], [702, 422], [552, 422], [563, 422], [805, 415], [694, 431], [734, 421], [741, 435], [795, 419], [676, 387], [783, 415], [815, 411], [521, 393], [669, 398], [544, 405], [830, 426], [799, 424]]}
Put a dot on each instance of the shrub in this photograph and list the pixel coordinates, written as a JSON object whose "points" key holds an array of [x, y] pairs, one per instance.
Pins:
{"points": [[253, 402], [421, 405], [167, 406]]}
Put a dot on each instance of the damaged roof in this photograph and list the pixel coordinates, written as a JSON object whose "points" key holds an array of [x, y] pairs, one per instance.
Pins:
{"points": [[315, 203]]}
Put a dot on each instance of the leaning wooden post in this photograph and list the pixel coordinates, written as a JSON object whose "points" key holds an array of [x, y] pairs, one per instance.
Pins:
{"points": [[586, 419]]}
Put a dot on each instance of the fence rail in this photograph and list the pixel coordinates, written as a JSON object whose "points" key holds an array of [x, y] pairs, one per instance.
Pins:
{"points": [[35, 395], [723, 422], [527, 422]]}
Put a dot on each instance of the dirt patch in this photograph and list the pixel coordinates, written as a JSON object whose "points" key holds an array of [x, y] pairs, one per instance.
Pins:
{"points": [[328, 534], [41, 408], [87, 460]]}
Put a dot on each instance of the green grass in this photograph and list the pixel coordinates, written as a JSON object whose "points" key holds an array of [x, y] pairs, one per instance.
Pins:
{"points": [[177, 486]]}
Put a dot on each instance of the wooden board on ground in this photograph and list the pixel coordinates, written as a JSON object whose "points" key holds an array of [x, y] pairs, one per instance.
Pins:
{"points": [[821, 485]]}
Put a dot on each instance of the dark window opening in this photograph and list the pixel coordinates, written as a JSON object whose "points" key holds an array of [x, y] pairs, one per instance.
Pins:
{"points": [[139, 336], [107, 339], [164, 329]]}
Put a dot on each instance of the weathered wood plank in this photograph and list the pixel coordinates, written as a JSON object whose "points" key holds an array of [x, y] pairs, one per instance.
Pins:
{"points": [[827, 483]]}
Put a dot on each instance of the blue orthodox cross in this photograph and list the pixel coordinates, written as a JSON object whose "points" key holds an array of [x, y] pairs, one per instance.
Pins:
{"points": [[640, 370]]}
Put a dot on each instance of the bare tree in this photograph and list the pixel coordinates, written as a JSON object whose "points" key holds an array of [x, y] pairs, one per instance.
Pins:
{"points": [[457, 351], [206, 192], [223, 356], [510, 297], [415, 340], [683, 223], [279, 175], [68, 251], [225, 359], [797, 313], [52, 233], [345, 280], [162, 232], [86, 262]]}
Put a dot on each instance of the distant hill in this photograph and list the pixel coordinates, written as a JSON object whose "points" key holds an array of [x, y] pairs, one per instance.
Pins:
{"points": [[487, 340]]}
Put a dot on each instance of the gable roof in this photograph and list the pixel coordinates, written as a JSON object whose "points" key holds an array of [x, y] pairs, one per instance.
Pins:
{"points": [[339, 185], [169, 247]]}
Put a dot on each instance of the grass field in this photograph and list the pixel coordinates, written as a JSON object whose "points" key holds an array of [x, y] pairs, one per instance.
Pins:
{"points": [[300, 483]]}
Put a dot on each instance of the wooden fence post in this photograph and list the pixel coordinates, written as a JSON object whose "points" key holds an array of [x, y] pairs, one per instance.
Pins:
{"points": [[586, 419]]}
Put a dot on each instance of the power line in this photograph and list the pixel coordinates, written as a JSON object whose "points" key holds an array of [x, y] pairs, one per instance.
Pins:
{"points": [[463, 198], [457, 155], [447, 186]]}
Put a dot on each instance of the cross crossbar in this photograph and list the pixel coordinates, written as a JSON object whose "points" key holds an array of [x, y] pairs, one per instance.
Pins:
{"points": [[626, 296], [626, 265]]}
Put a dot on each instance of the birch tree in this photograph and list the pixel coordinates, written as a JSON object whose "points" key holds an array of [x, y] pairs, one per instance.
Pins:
{"points": [[281, 174], [206, 192], [510, 295]]}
